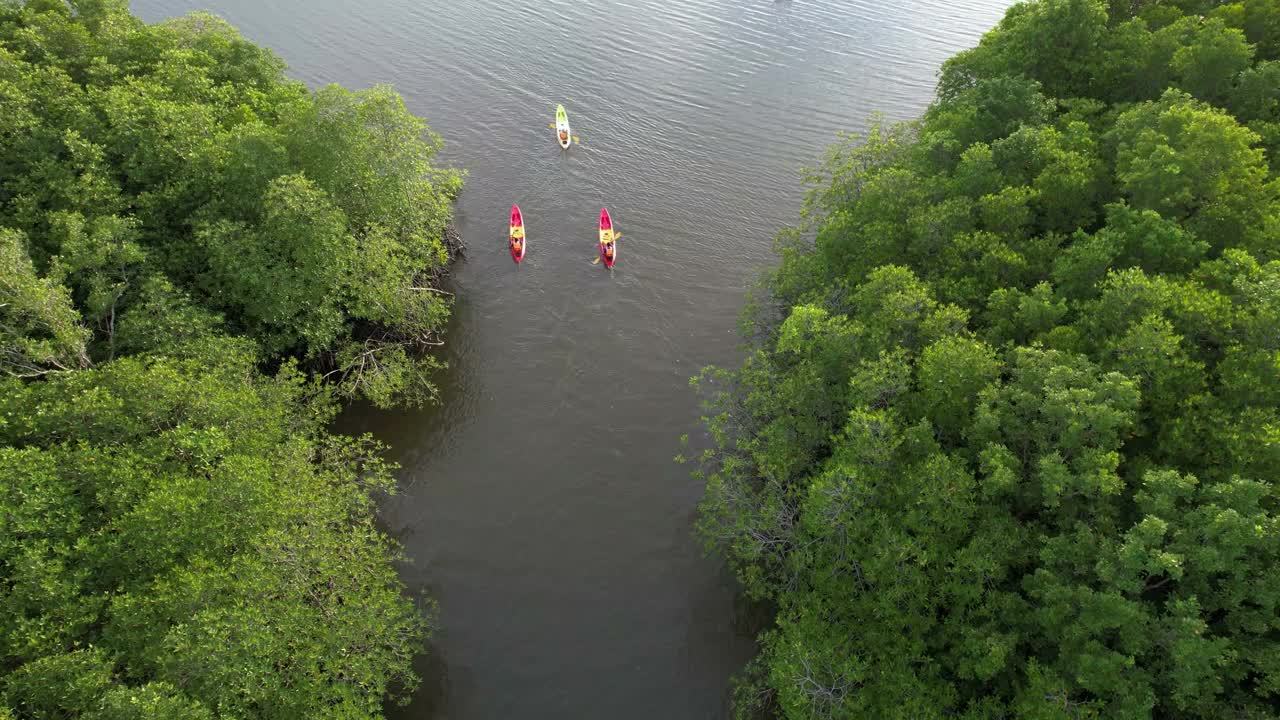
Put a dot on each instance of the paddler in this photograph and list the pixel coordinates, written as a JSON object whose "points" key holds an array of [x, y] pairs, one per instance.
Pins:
{"points": [[564, 136], [607, 236], [517, 235]]}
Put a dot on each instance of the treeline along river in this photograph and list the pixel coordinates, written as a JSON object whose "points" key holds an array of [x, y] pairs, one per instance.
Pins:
{"points": [[540, 503]]}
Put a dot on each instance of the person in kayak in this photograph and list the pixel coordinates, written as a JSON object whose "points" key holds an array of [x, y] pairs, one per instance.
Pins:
{"points": [[517, 238], [607, 238], [564, 137]]}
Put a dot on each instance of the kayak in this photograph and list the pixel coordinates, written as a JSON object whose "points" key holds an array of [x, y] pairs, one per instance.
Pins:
{"points": [[564, 135], [517, 232], [606, 235]]}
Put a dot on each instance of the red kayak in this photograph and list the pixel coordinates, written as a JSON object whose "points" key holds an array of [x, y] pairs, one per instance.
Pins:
{"points": [[515, 236], [608, 239]]}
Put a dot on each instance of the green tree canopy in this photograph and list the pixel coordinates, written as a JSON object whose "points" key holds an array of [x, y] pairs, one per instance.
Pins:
{"points": [[176, 533], [1007, 440], [187, 241], [312, 222]]}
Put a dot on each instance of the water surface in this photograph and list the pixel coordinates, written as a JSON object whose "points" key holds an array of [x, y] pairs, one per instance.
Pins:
{"points": [[541, 506]]}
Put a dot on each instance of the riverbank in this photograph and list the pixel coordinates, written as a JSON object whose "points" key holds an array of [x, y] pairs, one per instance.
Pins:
{"points": [[539, 504], [187, 237], [995, 449]]}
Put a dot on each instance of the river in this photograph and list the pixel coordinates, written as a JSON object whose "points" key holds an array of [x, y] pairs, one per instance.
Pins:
{"points": [[540, 503]]}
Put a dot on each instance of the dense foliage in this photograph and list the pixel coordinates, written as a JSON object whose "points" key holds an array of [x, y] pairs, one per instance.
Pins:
{"points": [[134, 155], [180, 542], [198, 257], [1007, 441]]}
